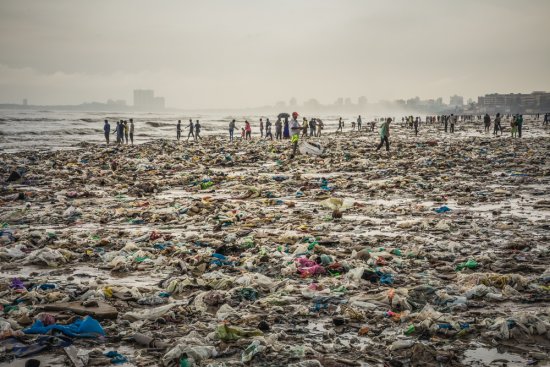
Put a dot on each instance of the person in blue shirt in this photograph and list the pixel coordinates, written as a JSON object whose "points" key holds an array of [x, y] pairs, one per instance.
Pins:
{"points": [[107, 131]]}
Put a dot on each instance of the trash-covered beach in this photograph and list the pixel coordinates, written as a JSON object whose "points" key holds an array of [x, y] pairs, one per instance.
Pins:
{"points": [[216, 254]]}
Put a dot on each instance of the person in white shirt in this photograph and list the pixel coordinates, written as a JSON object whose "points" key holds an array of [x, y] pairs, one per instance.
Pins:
{"points": [[295, 129]]}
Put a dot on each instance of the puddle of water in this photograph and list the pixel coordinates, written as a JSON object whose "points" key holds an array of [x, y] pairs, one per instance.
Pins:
{"points": [[481, 356]]}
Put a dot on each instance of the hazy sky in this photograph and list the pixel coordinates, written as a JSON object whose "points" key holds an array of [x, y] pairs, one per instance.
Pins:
{"points": [[240, 53]]}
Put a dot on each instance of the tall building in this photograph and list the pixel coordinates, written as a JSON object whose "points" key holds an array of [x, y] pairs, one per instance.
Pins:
{"points": [[456, 101], [144, 99]]}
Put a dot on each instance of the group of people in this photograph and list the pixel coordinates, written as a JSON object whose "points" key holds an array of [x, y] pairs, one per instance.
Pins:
{"points": [[516, 124], [194, 130], [283, 128], [123, 130]]}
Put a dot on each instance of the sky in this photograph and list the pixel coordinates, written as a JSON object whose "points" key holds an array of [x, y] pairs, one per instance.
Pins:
{"points": [[249, 53]]}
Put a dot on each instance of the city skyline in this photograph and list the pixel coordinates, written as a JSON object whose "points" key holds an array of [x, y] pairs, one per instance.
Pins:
{"points": [[196, 56]]}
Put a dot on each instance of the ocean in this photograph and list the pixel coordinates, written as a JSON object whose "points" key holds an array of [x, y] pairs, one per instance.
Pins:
{"points": [[53, 130]]}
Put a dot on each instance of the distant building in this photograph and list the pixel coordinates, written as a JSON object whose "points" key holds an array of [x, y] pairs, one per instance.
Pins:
{"points": [[293, 102], [456, 101], [144, 99], [362, 101], [118, 102], [534, 102]]}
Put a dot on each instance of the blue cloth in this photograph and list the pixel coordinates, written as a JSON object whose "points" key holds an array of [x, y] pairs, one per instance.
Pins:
{"points": [[116, 357], [443, 209], [87, 327]]}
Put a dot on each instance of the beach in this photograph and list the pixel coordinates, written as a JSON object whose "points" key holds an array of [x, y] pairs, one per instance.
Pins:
{"points": [[213, 253]]}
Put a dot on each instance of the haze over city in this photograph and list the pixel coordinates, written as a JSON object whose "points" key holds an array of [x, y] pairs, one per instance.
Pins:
{"points": [[238, 54]]}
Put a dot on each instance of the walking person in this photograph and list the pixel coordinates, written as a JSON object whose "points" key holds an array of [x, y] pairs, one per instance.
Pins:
{"points": [[231, 129], [191, 130], [268, 129], [320, 127], [278, 129], [248, 130], [519, 123], [132, 131], [445, 121], [261, 128], [384, 135], [497, 125], [106, 131], [178, 130], [198, 130], [340, 125], [359, 123], [416, 127]]}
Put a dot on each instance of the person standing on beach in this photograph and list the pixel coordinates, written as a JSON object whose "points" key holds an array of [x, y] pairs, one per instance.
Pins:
{"points": [[497, 125], [295, 130], [416, 127], [126, 131], [132, 131], [268, 129], [312, 126], [340, 125], [286, 130], [231, 129], [107, 131], [514, 127], [197, 130], [359, 123], [278, 129], [546, 119], [247, 130], [519, 123], [261, 128], [191, 130], [178, 130], [384, 135], [487, 122], [320, 127], [452, 121], [305, 125], [118, 132]]}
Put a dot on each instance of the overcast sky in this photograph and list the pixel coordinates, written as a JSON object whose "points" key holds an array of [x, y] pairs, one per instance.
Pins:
{"points": [[244, 53]]}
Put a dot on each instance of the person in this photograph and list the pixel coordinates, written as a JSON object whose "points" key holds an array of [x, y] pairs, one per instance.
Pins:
{"points": [[295, 130], [416, 127], [247, 130], [126, 131], [312, 125], [352, 124], [514, 127], [304, 127], [519, 123], [359, 123], [372, 125], [118, 132], [178, 130], [261, 128], [384, 135], [497, 125], [487, 122], [452, 121], [231, 129], [107, 131], [191, 130], [268, 129], [242, 133], [546, 119], [340, 125], [320, 127], [197, 130], [445, 121], [286, 130], [132, 131], [278, 129]]}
